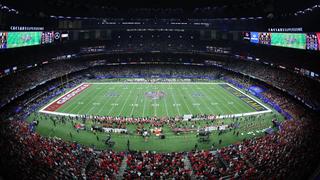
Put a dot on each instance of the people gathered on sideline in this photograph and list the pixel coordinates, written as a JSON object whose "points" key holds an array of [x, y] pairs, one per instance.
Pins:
{"points": [[287, 153]]}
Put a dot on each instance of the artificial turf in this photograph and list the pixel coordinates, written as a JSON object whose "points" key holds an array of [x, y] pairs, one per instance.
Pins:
{"points": [[132, 99]]}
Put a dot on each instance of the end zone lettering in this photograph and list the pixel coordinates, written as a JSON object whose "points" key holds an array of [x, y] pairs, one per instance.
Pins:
{"points": [[58, 103]]}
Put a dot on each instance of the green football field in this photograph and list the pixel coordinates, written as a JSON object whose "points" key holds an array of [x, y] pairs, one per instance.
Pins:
{"points": [[161, 100], [20, 39], [150, 99], [291, 40]]}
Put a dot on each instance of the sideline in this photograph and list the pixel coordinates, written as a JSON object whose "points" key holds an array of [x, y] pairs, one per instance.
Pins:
{"points": [[42, 110]]}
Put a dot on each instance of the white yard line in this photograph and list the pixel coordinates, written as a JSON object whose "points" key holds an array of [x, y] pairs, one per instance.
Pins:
{"points": [[193, 102], [144, 106], [105, 103], [125, 103], [174, 99], [116, 102], [96, 91], [231, 96], [90, 110], [222, 103], [154, 104], [268, 109], [190, 112], [219, 117], [166, 106], [134, 105], [207, 91], [144, 103], [204, 102]]}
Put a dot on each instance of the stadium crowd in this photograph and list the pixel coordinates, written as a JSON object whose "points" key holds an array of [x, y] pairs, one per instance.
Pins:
{"points": [[288, 153], [295, 84], [104, 165], [284, 101], [37, 157], [146, 165], [15, 85], [280, 155], [206, 164]]}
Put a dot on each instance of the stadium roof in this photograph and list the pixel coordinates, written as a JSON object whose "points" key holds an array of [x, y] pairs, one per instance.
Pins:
{"points": [[217, 8]]}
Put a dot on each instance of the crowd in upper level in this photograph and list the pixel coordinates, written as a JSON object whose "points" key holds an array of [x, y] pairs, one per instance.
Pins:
{"points": [[283, 154], [295, 84], [299, 86]]}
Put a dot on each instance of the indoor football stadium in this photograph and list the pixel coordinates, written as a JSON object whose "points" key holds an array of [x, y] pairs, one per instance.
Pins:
{"points": [[107, 89]]}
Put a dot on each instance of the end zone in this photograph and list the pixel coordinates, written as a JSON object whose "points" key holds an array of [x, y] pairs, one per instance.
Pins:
{"points": [[55, 105], [60, 101]]}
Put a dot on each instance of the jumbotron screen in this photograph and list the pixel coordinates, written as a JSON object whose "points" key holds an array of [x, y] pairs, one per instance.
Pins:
{"points": [[265, 38], [3, 40], [312, 41], [318, 35], [21, 39], [291, 40], [254, 37], [47, 37]]}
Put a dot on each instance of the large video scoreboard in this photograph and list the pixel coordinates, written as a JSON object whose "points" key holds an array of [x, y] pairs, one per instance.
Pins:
{"points": [[307, 41], [3, 40], [15, 39], [318, 35], [290, 40], [312, 41], [21, 39]]}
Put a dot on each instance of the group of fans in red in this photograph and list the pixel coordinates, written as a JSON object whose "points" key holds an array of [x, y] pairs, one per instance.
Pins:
{"points": [[288, 153]]}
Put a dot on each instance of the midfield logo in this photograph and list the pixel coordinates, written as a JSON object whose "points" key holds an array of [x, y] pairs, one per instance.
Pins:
{"points": [[155, 95]]}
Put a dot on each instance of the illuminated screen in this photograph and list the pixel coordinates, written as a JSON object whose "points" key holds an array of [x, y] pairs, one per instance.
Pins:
{"points": [[312, 41], [21, 39], [318, 35], [246, 36], [3, 40], [291, 40], [64, 35], [57, 36], [254, 37], [265, 38], [47, 37]]}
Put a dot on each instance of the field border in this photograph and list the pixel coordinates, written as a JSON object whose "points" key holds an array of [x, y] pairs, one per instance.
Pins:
{"points": [[42, 110], [59, 97]]}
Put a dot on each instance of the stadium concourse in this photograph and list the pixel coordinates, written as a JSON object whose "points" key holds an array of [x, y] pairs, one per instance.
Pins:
{"points": [[27, 154]]}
